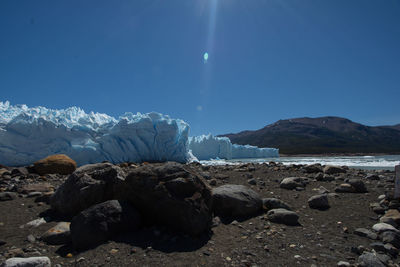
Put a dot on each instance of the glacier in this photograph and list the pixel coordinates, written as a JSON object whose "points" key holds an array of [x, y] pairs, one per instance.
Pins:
{"points": [[206, 147], [29, 134]]}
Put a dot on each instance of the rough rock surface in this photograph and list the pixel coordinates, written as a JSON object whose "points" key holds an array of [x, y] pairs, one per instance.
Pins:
{"points": [[283, 216], [58, 235], [88, 185], [27, 262], [4, 196], [235, 201], [391, 217], [292, 182], [101, 222], [319, 202], [61, 164], [329, 169], [370, 260], [274, 203], [170, 194]]}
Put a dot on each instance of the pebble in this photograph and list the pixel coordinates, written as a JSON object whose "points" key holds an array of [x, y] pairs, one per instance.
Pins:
{"points": [[31, 238], [27, 262], [383, 227], [35, 223]]}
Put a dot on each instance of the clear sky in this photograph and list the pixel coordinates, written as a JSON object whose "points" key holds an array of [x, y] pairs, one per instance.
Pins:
{"points": [[267, 59]]}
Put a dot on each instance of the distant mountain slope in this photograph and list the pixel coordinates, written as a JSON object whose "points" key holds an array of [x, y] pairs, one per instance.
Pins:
{"points": [[322, 135]]}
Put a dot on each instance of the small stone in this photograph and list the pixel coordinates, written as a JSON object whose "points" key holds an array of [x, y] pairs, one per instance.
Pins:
{"points": [[213, 182], [370, 260], [58, 235], [391, 217], [27, 262], [274, 203], [228, 258], [69, 255], [283, 216], [383, 227], [113, 251], [34, 194], [378, 246], [292, 182], [365, 233], [35, 223], [5, 196], [319, 202], [343, 264], [329, 169], [344, 188], [31, 238], [252, 181]]}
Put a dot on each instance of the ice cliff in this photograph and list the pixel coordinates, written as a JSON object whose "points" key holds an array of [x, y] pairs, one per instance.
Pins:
{"points": [[29, 134], [206, 147]]}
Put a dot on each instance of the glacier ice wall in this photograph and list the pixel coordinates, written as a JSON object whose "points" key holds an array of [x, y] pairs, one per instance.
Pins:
{"points": [[29, 134], [205, 147]]}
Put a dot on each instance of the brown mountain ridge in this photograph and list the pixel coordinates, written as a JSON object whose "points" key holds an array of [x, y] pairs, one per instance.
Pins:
{"points": [[322, 135]]}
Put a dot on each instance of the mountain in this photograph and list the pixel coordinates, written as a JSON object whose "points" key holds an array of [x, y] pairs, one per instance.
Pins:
{"points": [[322, 135]]}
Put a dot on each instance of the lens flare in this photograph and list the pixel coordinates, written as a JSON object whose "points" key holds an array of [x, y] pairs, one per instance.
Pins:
{"points": [[205, 57]]}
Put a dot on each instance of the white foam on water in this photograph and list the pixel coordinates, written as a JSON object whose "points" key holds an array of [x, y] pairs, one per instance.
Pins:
{"points": [[387, 162]]}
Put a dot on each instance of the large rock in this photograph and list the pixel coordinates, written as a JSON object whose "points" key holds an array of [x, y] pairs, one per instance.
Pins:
{"points": [[61, 164], [88, 185], [101, 222], [171, 194], [235, 201], [292, 182], [58, 235], [329, 169], [27, 262], [283, 216]]}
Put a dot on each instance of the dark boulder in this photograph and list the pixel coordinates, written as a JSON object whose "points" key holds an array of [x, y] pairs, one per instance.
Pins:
{"points": [[88, 185], [283, 216], [235, 201], [170, 194], [102, 222]]}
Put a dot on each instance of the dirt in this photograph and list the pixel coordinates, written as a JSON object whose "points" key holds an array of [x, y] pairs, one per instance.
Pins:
{"points": [[323, 239]]}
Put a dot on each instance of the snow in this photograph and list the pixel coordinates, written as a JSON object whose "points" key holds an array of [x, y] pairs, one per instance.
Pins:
{"points": [[206, 147], [29, 134]]}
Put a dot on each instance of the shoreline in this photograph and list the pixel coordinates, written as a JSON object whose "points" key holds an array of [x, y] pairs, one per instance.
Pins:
{"points": [[339, 155]]}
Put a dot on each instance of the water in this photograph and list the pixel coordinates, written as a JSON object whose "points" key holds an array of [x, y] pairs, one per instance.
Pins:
{"points": [[386, 162]]}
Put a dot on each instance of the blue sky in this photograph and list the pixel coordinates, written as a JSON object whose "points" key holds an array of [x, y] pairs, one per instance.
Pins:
{"points": [[268, 59]]}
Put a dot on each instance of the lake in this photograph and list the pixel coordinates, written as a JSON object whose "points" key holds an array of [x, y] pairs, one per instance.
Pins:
{"points": [[383, 162]]}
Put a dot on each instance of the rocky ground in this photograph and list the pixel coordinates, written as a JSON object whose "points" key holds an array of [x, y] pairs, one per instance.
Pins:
{"points": [[322, 216]]}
